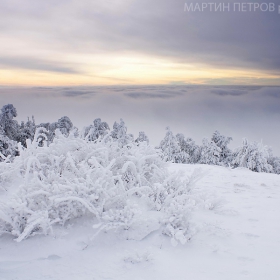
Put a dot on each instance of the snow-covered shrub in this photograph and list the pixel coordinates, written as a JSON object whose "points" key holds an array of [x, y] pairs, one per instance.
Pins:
{"points": [[8, 147], [253, 156], [179, 200], [73, 177]]}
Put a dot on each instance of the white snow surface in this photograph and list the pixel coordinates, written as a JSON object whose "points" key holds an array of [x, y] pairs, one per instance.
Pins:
{"points": [[235, 237]]}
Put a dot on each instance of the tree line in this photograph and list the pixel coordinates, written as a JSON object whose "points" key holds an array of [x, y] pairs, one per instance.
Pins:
{"points": [[174, 148]]}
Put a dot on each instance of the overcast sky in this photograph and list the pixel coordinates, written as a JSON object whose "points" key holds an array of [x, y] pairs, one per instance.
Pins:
{"points": [[150, 62], [102, 42]]}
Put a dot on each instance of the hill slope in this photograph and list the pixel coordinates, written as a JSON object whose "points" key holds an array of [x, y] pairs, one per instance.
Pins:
{"points": [[236, 236]]}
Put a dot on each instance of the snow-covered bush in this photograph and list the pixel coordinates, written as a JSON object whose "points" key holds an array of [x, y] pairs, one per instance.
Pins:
{"points": [[73, 177], [8, 148], [253, 156]]}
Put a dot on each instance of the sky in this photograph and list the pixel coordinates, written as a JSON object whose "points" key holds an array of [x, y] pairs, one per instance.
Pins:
{"points": [[133, 42], [151, 62]]}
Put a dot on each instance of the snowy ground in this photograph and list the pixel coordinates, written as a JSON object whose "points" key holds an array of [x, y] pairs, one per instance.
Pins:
{"points": [[238, 239]]}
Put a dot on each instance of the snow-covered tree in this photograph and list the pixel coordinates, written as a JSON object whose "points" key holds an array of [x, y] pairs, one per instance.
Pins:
{"points": [[49, 132], [222, 142], [190, 152], [193, 150], [275, 163], [26, 131], [253, 156], [170, 147], [9, 126], [9, 132], [210, 153], [119, 134], [64, 125], [75, 131], [142, 138], [183, 156], [97, 130]]}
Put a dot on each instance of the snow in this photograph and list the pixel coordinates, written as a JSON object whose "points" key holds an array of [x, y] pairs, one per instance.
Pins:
{"points": [[235, 236]]}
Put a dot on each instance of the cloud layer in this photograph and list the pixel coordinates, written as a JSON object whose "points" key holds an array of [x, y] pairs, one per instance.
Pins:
{"points": [[69, 36], [196, 111]]}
